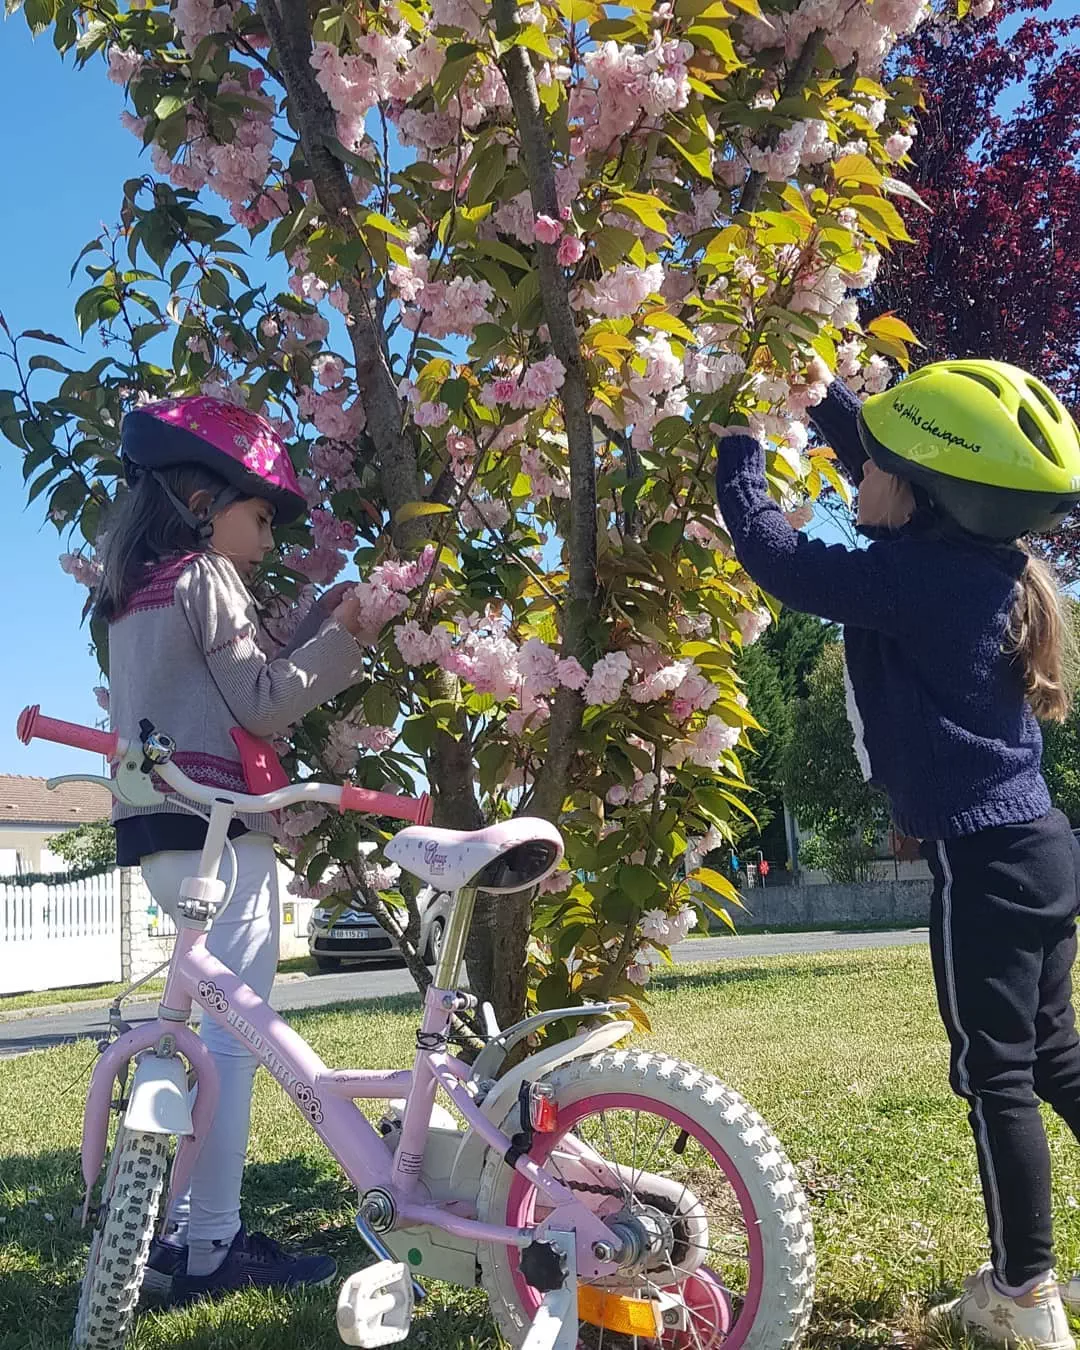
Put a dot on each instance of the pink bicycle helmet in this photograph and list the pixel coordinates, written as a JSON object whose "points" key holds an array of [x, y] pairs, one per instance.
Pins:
{"points": [[237, 444]]}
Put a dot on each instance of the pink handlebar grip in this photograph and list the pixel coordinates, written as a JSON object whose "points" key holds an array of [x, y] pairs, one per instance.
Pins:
{"points": [[416, 809], [31, 724]]}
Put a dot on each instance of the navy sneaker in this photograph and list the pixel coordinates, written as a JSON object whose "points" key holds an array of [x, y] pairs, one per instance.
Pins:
{"points": [[167, 1259], [254, 1259]]}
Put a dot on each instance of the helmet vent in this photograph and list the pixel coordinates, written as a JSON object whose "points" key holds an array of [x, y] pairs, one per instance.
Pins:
{"points": [[980, 379], [1048, 403], [1033, 432]]}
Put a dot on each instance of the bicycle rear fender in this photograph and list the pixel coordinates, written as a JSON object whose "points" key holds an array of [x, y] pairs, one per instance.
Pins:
{"points": [[99, 1097], [465, 1177]]}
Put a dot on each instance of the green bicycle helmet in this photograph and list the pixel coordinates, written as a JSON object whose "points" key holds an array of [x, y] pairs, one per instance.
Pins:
{"points": [[991, 446]]}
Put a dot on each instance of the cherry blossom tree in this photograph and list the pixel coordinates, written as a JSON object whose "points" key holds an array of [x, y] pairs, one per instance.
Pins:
{"points": [[534, 255]]}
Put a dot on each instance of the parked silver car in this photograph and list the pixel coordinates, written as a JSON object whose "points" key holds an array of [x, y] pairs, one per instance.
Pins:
{"points": [[355, 935]]}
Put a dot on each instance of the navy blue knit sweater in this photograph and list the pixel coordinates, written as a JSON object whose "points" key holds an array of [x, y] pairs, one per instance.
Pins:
{"points": [[944, 724]]}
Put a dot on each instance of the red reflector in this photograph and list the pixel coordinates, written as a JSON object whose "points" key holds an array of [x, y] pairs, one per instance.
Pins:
{"points": [[543, 1113]]}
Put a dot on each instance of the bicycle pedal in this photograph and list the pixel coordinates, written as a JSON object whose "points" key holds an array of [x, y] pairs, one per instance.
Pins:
{"points": [[375, 1305]]}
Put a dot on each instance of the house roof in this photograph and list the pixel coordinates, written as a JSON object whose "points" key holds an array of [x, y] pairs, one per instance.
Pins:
{"points": [[27, 801]]}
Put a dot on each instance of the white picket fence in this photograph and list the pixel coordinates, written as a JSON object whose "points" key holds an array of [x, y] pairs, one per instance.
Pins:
{"points": [[60, 934]]}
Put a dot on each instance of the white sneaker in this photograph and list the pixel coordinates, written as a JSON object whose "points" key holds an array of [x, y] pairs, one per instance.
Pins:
{"points": [[1038, 1321]]}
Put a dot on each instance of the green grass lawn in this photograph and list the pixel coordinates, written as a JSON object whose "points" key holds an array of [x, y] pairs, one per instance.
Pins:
{"points": [[842, 1053]]}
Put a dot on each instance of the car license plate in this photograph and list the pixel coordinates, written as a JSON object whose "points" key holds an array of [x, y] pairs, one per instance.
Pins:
{"points": [[352, 934]]}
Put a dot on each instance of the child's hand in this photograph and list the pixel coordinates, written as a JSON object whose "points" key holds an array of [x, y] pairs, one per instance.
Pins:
{"points": [[329, 600], [349, 613]]}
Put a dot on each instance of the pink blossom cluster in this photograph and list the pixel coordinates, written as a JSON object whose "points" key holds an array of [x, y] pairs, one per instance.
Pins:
{"points": [[706, 746], [281, 617], [696, 693], [295, 825], [624, 83], [86, 571], [439, 308], [329, 370], [751, 623], [419, 647], [330, 532], [543, 481], [607, 678], [617, 294], [328, 412], [480, 512], [319, 565], [668, 929], [197, 19], [384, 67], [236, 170], [124, 64], [347, 736], [335, 464], [535, 386], [861, 32]]}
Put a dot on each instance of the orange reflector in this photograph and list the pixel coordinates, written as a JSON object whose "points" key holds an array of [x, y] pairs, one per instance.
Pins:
{"points": [[614, 1312]]}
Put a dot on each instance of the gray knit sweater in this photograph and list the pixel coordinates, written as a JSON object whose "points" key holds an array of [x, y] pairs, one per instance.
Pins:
{"points": [[188, 653]]}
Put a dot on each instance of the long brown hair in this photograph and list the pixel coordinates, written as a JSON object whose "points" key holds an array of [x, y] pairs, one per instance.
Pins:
{"points": [[1040, 637], [143, 527]]}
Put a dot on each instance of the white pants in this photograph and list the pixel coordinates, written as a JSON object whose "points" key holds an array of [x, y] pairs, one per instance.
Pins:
{"points": [[245, 939]]}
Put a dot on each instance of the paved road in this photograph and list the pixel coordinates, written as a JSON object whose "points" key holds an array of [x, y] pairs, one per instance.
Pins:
{"points": [[23, 1034]]}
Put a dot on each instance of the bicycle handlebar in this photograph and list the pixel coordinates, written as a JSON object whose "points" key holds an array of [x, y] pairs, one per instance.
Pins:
{"points": [[31, 723], [347, 797]]}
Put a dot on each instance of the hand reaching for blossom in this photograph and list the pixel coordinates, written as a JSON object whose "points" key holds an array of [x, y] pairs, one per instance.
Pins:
{"points": [[329, 601], [350, 611]]}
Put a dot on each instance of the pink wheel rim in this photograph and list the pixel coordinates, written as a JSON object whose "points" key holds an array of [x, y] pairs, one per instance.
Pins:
{"points": [[522, 1192]]}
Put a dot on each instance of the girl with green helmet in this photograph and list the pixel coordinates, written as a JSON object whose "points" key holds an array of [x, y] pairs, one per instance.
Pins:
{"points": [[954, 645]]}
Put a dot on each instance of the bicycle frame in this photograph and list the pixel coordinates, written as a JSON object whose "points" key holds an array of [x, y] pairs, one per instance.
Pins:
{"points": [[325, 1097]]}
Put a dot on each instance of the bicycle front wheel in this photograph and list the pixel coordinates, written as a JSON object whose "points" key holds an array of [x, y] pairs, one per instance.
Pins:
{"points": [[121, 1242], [726, 1251]]}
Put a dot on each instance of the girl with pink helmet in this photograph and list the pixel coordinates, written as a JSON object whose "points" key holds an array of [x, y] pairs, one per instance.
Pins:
{"points": [[206, 482]]}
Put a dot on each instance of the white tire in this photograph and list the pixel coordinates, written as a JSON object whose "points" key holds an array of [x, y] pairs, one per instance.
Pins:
{"points": [[785, 1280], [121, 1242]]}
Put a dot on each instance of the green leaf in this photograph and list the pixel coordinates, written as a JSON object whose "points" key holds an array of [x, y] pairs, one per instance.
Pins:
{"points": [[715, 881], [39, 14], [452, 77], [700, 160], [169, 104], [417, 733], [381, 706], [411, 510], [317, 867], [717, 39], [646, 208], [486, 175], [637, 883], [46, 363], [536, 41], [613, 245], [39, 336], [495, 248], [378, 221]]}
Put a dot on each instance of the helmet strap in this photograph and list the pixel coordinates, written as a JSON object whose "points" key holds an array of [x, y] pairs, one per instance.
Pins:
{"points": [[203, 526]]}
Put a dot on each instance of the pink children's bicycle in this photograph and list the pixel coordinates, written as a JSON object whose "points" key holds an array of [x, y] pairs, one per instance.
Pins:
{"points": [[602, 1196]]}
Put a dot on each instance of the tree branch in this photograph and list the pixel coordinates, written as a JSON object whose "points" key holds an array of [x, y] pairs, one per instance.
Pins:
{"points": [[796, 80], [289, 27], [584, 591]]}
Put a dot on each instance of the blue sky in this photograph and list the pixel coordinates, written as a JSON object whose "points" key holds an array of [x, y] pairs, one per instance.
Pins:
{"points": [[65, 158]]}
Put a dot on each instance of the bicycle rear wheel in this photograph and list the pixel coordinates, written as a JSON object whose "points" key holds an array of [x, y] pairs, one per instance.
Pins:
{"points": [[731, 1248]]}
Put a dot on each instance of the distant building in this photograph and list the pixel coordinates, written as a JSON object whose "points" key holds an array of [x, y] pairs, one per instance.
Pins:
{"points": [[30, 815]]}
